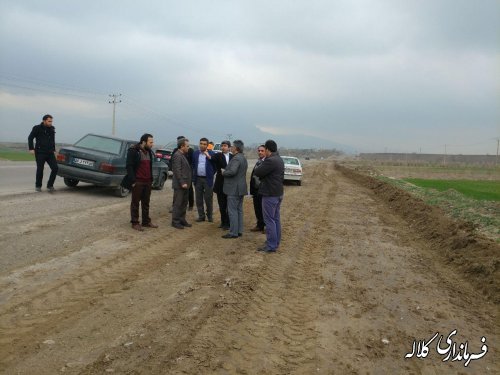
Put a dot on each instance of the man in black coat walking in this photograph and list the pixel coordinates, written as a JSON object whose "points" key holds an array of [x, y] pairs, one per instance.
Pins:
{"points": [[44, 151]]}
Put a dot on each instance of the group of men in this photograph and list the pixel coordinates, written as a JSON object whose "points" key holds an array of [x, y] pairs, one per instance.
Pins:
{"points": [[223, 173]]}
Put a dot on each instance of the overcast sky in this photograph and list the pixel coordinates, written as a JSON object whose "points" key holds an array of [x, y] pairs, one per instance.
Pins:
{"points": [[366, 75]]}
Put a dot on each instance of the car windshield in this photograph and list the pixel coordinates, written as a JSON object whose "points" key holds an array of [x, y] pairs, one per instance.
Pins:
{"points": [[94, 142], [292, 161]]}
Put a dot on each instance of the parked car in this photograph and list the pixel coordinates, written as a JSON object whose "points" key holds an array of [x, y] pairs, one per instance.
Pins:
{"points": [[293, 169], [164, 154], [100, 160]]}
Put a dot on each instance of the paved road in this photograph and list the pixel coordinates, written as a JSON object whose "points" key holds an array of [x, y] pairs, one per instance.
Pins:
{"points": [[19, 177]]}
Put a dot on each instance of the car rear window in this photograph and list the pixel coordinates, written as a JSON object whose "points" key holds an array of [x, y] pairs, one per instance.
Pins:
{"points": [[292, 161], [94, 142]]}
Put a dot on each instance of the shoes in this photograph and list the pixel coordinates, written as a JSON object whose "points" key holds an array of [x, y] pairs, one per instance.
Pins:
{"points": [[150, 225], [240, 234], [138, 227], [257, 229], [229, 235], [200, 219], [51, 189], [178, 226], [38, 190], [225, 227], [266, 249], [210, 220], [186, 224]]}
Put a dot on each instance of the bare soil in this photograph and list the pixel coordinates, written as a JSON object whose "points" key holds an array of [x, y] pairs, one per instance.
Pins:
{"points": [[362, 272]]}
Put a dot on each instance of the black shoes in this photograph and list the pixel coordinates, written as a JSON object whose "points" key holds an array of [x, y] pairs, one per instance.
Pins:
{"points": [[186, 224], [265, 249], [178, 226], [210, 220], [229, 235], [200, 219]]}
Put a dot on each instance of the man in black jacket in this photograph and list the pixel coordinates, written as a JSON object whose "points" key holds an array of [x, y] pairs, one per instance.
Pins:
{"points": [[271, 173], [139, 179], [254, 191], [221, 160], [44, 150]]}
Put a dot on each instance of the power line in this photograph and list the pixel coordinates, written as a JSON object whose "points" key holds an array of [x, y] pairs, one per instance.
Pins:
{"points": [[51, 84]]}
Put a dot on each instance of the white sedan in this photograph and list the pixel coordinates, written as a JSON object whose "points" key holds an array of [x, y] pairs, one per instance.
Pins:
{"points": [[293, 169]]}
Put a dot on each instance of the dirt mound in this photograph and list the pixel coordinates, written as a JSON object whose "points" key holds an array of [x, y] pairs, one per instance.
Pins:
{"points": [[475, 257]]}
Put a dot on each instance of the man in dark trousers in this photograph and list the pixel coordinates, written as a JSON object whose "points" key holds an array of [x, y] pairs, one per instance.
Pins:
{"points": [[203, 179], [181, 180], [254, 191], [189, 156], [235, 187], [139, 179], [221, 160], [271, 173], [44, 151]]}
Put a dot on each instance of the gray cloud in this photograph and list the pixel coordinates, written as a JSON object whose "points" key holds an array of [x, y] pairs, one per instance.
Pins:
{"points": [[363, 73]]}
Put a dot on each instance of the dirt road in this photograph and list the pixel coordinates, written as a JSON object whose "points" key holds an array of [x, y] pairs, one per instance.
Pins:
{"points": [[349, 291]]}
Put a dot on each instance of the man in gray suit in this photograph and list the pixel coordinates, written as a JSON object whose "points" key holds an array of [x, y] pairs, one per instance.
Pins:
{"points": [[235, 187], [181, 181]]}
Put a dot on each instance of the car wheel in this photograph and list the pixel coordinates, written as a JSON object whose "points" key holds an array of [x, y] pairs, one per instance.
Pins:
{"points": [[71, 182], [121, 192], [161, 183], [299, 183]]}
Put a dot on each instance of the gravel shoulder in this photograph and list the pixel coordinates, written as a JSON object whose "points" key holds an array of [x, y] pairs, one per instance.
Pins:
{"points": [[352, 286]]}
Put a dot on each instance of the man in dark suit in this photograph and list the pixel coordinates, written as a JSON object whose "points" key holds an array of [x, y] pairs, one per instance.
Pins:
{"points": [[221, 160], [254, 191], [181, 180], [203, 179], [235, 187], [189, 156]]}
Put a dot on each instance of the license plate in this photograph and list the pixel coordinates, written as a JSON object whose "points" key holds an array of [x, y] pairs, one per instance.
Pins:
{"points": [[87, 163]]}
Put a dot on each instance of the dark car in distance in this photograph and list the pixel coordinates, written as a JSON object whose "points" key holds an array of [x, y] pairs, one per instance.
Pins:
{"points": [[100, 160], [164, 155]]}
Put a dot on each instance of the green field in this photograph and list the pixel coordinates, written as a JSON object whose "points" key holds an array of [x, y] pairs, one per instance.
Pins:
{"points": [[14, 155], [480, 190]]}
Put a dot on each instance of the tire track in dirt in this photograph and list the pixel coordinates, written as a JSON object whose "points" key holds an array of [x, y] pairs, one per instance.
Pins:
{"points": [[31, 312], [349, 273], [253, 284], [269, 323]]}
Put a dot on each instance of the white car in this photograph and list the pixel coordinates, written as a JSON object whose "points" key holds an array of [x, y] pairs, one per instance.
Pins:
{"points": [[293, 169]]}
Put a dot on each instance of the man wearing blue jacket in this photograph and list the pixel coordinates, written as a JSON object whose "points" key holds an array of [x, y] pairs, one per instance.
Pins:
{"points": [[203, 179]]}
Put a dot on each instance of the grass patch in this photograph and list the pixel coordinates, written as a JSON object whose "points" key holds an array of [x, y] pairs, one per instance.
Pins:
{"points": [[480, 190], [483, 214], [14, 155]]}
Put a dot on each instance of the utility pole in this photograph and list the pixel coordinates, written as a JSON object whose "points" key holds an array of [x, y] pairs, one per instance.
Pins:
{"points": [[114, 101], [444, 156], [498, 145]]}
